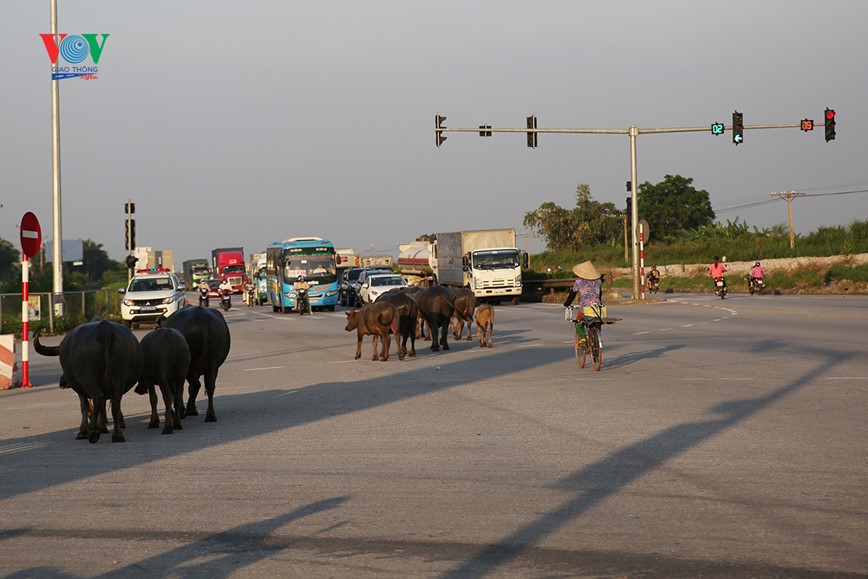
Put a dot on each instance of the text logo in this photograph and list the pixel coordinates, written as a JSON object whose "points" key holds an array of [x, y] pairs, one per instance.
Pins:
{"points": [[68, 53]]}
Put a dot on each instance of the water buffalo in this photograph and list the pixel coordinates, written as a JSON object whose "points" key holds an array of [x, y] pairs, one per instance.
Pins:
{"points": [[436, 306], [465, 303], [484, 323], [408, 312], [413, 290], [207, 335], [102, 361], [375, 319], [167, 359]]}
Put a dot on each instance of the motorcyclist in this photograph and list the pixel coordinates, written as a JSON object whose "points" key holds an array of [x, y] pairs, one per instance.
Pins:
{"points": [[225, 286], [756, 272], [653, 277], [717, 270], [302, 284], [249, 292], [204, 288], [589, 287]]}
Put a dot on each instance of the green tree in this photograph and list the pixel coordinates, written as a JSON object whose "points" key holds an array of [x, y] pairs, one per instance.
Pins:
{"points": [[9, 258], [96, 261], [588, 223], [673, 206]]}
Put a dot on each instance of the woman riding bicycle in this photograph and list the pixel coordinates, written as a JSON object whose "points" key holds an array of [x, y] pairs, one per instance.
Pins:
{"points": [[589, 287]]}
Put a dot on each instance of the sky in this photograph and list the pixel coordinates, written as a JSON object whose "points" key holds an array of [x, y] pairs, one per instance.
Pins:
{"points": [[239, 123]]}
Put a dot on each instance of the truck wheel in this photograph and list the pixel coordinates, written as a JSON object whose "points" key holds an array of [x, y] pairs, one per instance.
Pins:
{"points": [[516, 300]]}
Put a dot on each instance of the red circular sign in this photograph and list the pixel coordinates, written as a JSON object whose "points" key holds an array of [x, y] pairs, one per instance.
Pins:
{"points": [[31, 235]]}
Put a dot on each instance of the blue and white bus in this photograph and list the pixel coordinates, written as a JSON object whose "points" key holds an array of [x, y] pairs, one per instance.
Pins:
{"points": [[312, 257]]}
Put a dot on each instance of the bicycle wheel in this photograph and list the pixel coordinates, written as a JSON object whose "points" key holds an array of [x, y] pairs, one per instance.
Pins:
{"points": [[595, 345]]}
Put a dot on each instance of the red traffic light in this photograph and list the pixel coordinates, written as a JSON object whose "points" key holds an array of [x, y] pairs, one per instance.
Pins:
{"points": [[830, 114]]}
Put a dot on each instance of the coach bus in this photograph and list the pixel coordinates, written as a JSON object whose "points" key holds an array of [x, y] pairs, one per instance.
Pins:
{"points": [[312, 257]]}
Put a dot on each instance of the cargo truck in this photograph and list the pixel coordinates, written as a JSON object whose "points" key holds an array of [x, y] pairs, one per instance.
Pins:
{"points": [[195, 270], [228, 263], [486, 261]]}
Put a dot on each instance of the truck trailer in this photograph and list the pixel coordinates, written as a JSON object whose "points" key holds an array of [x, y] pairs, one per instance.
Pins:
{"points": [[486, 261]]}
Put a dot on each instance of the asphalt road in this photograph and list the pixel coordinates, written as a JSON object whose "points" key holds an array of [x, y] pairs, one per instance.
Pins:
{"points": [[723, 438]]}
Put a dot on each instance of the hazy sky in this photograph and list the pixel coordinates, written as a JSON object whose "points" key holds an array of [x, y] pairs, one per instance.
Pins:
{"points": [[238, 123]]}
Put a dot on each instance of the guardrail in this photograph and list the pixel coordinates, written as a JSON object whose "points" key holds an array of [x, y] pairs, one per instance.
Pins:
{"points": [[79, 307]]}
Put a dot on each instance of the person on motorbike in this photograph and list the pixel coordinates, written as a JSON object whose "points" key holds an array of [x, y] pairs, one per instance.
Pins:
{"points": [[302, 284], [249, 292], [653, 277], [203, 288], [756, 272], [589, 287], [225, 286], [717, 270]]}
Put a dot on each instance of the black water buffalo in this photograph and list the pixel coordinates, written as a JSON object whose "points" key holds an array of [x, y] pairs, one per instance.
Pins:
{"points": [[167, 359], [101, 361], [408, 312], [436, 306], [375, 319], [207, 335], [465, 303]]}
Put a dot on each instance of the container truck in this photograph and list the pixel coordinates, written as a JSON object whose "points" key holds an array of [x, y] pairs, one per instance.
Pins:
{"points": [[486, 261], [228, 263], [195, 270]]}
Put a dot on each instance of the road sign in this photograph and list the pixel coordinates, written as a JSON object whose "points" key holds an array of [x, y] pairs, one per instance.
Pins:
{"points": [[31, 235]]}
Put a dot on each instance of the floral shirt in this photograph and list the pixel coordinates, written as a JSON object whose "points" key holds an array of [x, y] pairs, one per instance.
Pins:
{"points": [[588, 291]]}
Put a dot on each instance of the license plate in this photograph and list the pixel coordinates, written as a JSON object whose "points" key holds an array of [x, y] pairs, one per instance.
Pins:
{"points": [[720, 284], [149, 309]]}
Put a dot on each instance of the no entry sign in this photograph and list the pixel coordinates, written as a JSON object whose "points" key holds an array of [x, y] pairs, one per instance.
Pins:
{"points": [[31, 235]]}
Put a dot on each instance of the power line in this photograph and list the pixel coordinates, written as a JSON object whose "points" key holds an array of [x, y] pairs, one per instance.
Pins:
{"points": [[767, 201]]}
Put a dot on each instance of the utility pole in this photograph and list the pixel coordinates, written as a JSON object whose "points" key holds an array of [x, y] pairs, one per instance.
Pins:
{"points": [[57, 248], [789, 196], [632, 131]]}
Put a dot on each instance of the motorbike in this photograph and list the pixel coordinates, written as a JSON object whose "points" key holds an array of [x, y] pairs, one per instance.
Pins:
{"points": [[302, 301], [720, 287], [756, 285], [250, 294], [203, 297], [653, 285], [225, 300]]}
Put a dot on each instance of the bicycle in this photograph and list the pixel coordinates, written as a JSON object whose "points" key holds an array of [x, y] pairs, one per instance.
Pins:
{"points": [[591, 319]]}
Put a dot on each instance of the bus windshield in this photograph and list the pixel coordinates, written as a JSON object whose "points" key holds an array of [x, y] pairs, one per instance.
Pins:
{"points": [[314, 268]]}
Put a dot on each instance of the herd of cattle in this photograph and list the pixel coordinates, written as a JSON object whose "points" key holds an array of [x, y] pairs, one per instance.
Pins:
{"points": [[405, 312], [102, 360]]}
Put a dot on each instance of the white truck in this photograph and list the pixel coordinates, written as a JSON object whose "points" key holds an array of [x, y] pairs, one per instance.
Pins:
{"points": [[486, 261]]}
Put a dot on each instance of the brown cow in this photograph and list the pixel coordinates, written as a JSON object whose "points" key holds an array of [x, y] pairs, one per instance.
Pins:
{"points": [[375, 319], [408, 312], [413, 290], [465, 303], [484, 323]]}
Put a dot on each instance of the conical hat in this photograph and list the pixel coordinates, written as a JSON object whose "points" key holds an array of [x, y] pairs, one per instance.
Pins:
{"points": [[586, 270]]}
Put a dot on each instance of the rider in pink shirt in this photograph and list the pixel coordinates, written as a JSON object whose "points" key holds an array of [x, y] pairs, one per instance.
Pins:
{"points": [[717, 270]]}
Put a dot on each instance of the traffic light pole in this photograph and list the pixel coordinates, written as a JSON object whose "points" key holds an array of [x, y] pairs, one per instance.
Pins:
{"points": [[632, 131]]}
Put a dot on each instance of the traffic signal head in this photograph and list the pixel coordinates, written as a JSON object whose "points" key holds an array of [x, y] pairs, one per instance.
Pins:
{"points": [[130, 234], [131, 261], [129, 207], [484, 130], [438, 130], [737, 128], [830, 125], [531, 137]]}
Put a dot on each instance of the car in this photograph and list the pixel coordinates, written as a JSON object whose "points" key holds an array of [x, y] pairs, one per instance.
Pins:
{"points": [[346, 296], [355, 286], [377, 284], [150, 295]]}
